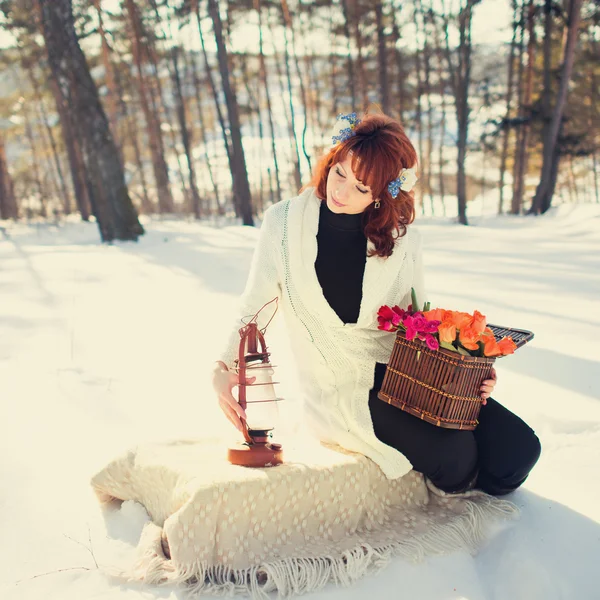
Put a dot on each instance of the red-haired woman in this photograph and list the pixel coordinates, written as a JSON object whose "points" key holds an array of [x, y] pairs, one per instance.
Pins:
{"points": [[333, 255]]}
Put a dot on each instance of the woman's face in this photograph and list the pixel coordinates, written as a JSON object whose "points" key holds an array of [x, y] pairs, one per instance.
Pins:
{"points": [[345, 194]]}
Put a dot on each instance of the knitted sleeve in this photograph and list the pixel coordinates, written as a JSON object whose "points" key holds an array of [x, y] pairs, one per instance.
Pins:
{"points": [[263, 285], [418, 281]]}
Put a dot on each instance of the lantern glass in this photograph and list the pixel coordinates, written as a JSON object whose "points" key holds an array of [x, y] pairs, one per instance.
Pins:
{"points": [[262, 403]]}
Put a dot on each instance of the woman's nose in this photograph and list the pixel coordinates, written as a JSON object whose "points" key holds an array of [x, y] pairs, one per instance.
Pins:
{"points": [[340, 192]]}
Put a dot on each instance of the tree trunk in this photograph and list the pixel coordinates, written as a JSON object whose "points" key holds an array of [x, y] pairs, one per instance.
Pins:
{"points": [[185, 135], [72, 143], [350, 62], [241, 185], [362, 75], [63, 189], [153, 126], [427, 81], [298, 171], [545, 190], [116, 215], [419, 110], [112, 98], [287, 19], [509, 95], [400, 76], [265, 84], [525, 100], [384, 91], [461, 79], [196, 81], [166, 108], [333, 63], [443, 108], [36, 162], [8, 202]]}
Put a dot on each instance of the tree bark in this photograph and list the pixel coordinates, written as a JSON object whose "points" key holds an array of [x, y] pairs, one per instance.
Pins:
{"points": [[72, 142], [286, 54], [400, 76], [384, 91], [197, 87], [545, 190], [238, 167], [116, 215], [509, 96], [186, 135], [36, 162], [350, 62], [63, 189], [265, 84], [8, 203], [522, 154], [153, 126], [112, 98], [287, 19]]}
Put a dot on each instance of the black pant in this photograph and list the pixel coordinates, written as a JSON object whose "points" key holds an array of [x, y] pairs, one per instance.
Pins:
{"points": [[499, 453]]}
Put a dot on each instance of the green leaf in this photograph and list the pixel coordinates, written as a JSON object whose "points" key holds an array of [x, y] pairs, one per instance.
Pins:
{"points": [[413, 299], [448, 346], [463, 351]]}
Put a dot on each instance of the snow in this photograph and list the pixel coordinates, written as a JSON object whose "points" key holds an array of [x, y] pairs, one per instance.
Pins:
{"points": [[104, 347]]}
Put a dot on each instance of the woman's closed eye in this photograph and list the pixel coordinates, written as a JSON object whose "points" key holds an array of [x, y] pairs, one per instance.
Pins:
{"points": [[344, 177]]}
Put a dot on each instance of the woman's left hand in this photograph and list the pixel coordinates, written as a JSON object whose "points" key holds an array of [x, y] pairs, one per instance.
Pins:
{"points": [[487, 386]]}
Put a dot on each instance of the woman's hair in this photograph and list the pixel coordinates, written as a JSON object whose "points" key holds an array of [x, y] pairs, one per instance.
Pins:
{"points": [[379, 150]]}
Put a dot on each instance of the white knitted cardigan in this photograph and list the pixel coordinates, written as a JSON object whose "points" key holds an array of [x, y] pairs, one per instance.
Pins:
{"points": [[335, 361]]}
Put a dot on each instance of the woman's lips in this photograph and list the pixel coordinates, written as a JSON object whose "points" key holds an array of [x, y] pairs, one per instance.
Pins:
{"points": [[336, 202]]}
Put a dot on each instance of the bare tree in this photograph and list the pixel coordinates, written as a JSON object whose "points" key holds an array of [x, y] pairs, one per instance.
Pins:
{"points": [[241, 185], [152, 118], [545, 190], [509, 97], [8, 202], [112, 206]]}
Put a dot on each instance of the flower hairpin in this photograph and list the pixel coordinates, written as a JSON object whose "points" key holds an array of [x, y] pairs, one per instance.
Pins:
{"points": [[405, 182], [344, 127]]}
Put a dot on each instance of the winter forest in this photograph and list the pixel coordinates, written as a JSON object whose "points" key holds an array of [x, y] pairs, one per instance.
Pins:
{"points": [[115, 109], [144, 145]]}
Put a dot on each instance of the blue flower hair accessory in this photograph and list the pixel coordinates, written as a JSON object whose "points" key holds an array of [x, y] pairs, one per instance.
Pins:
{"points": [[344, 127], [405, 182]]}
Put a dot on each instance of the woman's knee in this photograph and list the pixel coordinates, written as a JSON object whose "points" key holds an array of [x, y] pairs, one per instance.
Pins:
{"points": [[513, 475], [454, 461]]}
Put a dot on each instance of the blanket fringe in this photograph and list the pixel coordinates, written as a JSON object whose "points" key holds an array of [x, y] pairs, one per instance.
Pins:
{"points": [[294, 576]]}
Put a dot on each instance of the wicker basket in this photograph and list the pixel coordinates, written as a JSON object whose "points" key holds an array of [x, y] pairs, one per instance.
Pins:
{"points": [[440, 386]]}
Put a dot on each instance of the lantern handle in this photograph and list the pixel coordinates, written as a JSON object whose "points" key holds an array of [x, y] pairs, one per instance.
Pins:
{"points": [[255, 317]]}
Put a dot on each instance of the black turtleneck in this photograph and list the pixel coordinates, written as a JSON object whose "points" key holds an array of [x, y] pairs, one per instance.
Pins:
{"points": [[340, 263], [340, 266]]}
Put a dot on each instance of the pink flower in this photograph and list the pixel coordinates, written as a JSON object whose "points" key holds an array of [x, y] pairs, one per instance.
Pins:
{"points": [[431, 342], [385, 325]]}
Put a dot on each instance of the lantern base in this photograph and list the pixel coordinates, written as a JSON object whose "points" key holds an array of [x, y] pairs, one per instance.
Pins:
{"points": [[255, 455]]}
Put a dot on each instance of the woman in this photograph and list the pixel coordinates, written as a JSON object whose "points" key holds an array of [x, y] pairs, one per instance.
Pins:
{"points": [[332, 256]]}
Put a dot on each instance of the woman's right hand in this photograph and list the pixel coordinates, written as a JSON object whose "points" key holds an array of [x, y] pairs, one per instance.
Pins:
{"points": [[223, 382]]}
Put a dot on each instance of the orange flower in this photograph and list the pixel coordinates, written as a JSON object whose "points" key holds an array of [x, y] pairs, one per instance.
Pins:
{"points": [[461, 319], [468, 337], [447, 331], [507, 346], [437, 314], [491, 347], [478, 322]]}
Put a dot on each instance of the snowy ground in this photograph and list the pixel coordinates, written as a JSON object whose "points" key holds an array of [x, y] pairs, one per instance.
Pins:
{"points": [[102, 347]]}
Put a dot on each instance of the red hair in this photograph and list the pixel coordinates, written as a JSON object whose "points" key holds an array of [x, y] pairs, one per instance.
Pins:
{"points": [[379, 150]]}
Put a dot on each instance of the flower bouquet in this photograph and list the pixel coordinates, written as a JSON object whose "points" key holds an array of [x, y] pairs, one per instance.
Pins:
{"points": [[440, 359]]}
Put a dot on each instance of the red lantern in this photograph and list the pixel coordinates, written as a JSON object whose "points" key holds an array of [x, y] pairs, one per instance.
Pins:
{"points": [[258, 399]]}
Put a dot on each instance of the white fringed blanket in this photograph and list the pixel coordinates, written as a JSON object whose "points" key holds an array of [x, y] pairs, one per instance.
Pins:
{"points": [[325, 515]]}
